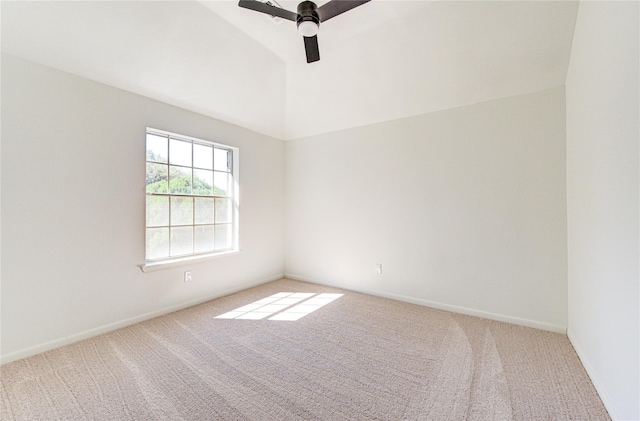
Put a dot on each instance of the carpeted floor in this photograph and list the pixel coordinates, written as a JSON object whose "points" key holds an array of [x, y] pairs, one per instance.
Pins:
{"points": [[355, 358]]}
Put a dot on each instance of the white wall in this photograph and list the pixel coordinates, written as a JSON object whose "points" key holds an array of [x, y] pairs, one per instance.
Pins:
{"points": [[73, 209], [464, 208], [602, 201]]}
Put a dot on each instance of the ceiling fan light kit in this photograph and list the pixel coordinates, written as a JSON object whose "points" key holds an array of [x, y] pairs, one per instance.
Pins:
{"points": [[307, 19], [308, 28]]}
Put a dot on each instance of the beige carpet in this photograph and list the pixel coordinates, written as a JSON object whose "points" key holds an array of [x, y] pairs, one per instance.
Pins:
{"points": [[356, 358]]}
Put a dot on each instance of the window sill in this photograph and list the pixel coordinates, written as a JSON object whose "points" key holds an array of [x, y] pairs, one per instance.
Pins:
{"points": [[182, 261]]}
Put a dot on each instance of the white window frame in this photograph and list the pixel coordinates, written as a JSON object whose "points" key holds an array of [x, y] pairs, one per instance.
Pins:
{"points": [[194, 257]]}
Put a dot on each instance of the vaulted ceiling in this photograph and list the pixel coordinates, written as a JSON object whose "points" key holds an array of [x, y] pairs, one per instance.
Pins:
{"points": [[381, 61]]}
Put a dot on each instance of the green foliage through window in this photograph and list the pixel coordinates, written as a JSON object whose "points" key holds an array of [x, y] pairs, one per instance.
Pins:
{"points": [[189, 208]]}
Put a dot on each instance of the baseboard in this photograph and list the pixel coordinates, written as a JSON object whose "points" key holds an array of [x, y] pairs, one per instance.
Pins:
{"points": [[440, 306], [592, 375], [56, 343]]}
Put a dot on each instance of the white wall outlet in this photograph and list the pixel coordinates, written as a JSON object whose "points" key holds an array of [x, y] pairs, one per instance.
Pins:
{"points": [[379, 268], [187, 276]]}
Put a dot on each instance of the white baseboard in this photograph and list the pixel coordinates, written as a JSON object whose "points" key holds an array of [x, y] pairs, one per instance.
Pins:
{"points": [[592, 375], [37, 349], [56, 343], [440, 306]]}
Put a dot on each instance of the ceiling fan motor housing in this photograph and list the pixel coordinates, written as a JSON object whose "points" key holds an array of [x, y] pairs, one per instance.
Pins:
{"points": [[307, 19], [307, 13]]}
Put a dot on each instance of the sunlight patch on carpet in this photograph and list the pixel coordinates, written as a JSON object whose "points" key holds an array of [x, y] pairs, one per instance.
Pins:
{"points": [[285, 306]]}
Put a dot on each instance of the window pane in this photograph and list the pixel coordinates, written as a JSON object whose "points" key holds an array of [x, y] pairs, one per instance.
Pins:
{"points": [[204, 210], [180, 180], [157, 211], [180, 152], [223, 236], [156, 178], [221, 162], [189, 202], [203, 156], [203, 182], [221, 184], [223, 211], [181, 241], [157, 243], [203, 238], [181, 211], [157, 148]]}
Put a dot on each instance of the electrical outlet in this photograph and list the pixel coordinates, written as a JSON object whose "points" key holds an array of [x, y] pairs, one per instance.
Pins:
{"points": [[379, 268], [187, 276]]}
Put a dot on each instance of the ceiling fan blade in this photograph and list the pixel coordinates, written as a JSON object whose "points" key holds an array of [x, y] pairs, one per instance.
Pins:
{"points": [[311, 48], [259, 6], [336, 7]]}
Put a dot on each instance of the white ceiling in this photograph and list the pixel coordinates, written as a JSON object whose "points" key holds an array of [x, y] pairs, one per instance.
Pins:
{"points": [[381, 61]]}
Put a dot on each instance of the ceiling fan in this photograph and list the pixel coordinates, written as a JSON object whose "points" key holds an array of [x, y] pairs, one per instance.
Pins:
{"points": [[307, 19]]}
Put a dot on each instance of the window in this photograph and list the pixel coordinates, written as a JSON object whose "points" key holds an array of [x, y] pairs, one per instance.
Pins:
{"points": [[191, 191]]}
